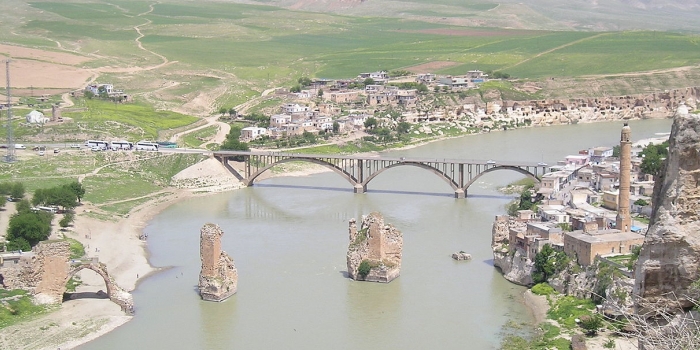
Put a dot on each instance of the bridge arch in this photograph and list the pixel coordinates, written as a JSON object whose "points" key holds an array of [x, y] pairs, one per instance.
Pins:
{"points": [[500, 167], [447, 179], [331, 166], [115, 293]]}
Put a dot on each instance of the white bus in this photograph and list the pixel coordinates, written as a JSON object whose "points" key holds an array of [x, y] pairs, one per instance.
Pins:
{"points": [[103, 145], [121, 145], [146, 146]]}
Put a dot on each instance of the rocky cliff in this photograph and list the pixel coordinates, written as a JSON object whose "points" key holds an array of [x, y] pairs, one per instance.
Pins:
{"points": [[218, 279], [374, 253], [670, 257], [515, 267]]}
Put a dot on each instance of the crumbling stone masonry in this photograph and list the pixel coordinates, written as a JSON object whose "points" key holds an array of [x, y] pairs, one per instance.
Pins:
{"points": [[218, 279], [45, 271], [378, 245]]}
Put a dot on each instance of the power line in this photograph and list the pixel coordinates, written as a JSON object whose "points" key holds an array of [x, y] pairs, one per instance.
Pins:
{"points": [[10, 156]]}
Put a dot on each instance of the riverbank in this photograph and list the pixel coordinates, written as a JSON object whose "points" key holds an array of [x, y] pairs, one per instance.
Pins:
{"points": [[129, 254]]}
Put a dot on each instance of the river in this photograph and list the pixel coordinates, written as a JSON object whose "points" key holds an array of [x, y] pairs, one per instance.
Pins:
{"points": [[288, 237]]}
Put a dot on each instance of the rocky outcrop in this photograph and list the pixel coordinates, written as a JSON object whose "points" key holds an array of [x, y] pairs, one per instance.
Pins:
{"points": [[514, 265], [461, 256], [218, 279], [374, 253], [669, 261]]}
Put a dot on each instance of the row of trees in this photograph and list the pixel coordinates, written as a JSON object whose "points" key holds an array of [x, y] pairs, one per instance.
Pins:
{"points": [[29, 226]]}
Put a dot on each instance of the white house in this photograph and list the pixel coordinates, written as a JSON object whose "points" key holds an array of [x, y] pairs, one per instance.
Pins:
{"points": [[291, 108], [36, 117], [278, 120], [252, 133]]}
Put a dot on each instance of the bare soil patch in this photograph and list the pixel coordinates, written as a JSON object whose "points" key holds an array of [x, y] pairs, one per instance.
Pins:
{"points": [[42, 55], [26, 73], [431, 66]]}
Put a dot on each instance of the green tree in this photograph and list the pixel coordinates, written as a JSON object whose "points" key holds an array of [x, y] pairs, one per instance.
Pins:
{"points": [[653, 157], [17, 191], [403, 128], [336, 127], [29, 226], [320, 93], [641, 202], [222, 110], [232, 112], [102, 92], [295, 89], [308, 137], [548, 262], [66, 220], [368, 81], [304, 81], [77, 189], [616, 151], [3, 201], [23, 205], [370, 123]]}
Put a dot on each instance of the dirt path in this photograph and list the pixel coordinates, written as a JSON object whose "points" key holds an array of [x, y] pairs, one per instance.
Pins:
{"points": [[554, 49], [634, 74], [137, 28]]}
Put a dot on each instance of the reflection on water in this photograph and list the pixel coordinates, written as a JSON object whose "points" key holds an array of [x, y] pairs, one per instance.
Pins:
{"points": [[288, 237]]}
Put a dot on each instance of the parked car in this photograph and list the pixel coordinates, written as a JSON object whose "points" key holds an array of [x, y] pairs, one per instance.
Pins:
{"points": [[491, 162], [56, 150], [75, 145], [41, 153], [19, 146]]}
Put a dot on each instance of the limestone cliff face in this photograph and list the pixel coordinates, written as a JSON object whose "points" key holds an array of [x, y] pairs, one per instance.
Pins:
{"points": [[379, 245], [670, 257], [218, 279], [515, 267]]}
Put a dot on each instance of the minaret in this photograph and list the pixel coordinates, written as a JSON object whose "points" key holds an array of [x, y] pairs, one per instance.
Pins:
{"points": [[623, 220]]}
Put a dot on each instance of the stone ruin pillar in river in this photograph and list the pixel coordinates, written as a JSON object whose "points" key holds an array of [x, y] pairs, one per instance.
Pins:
{"points": [[218, 279], [374, 253]]}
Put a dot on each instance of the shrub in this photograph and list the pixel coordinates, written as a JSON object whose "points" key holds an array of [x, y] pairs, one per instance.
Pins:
{"points": [[542, 289], [363, 269]]}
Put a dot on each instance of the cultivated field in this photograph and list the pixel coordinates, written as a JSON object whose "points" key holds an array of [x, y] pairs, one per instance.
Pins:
{"points": [[196, 57]]}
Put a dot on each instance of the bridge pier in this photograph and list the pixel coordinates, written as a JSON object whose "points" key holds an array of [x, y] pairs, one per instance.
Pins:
{"points": [[460, 194], [360, 189]]}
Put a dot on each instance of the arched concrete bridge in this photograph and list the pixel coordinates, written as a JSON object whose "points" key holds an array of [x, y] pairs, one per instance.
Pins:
{"points": [[360, 171]]}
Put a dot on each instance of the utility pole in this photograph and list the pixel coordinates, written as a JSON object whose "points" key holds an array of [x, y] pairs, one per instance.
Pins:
{"points": [[10, 156]]}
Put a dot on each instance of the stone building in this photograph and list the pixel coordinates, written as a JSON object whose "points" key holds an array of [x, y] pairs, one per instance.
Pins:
{"points": [[586, 245]]}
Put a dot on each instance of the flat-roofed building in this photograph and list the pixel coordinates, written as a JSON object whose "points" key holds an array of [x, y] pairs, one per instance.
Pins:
{"points": [[585, 246]]}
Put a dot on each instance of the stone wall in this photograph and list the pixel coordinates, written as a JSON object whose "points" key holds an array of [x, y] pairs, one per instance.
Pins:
{"points": [[379, 244], [218, 278], [45, 271], [669, 261]]}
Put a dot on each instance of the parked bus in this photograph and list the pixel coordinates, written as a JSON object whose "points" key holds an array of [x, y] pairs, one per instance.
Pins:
{"points": [[146, 146], [103, 145], [121, 145]]}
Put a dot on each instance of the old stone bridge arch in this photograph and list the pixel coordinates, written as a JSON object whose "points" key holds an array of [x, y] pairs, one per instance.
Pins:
{"points": [[115, 293]]}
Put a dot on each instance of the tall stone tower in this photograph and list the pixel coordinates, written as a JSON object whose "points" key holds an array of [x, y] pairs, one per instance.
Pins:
{"points": [[623, 221]]}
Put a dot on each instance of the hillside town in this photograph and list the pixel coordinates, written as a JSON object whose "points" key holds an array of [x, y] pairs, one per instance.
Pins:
{"points": [[594, 205], [345, 106]]}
